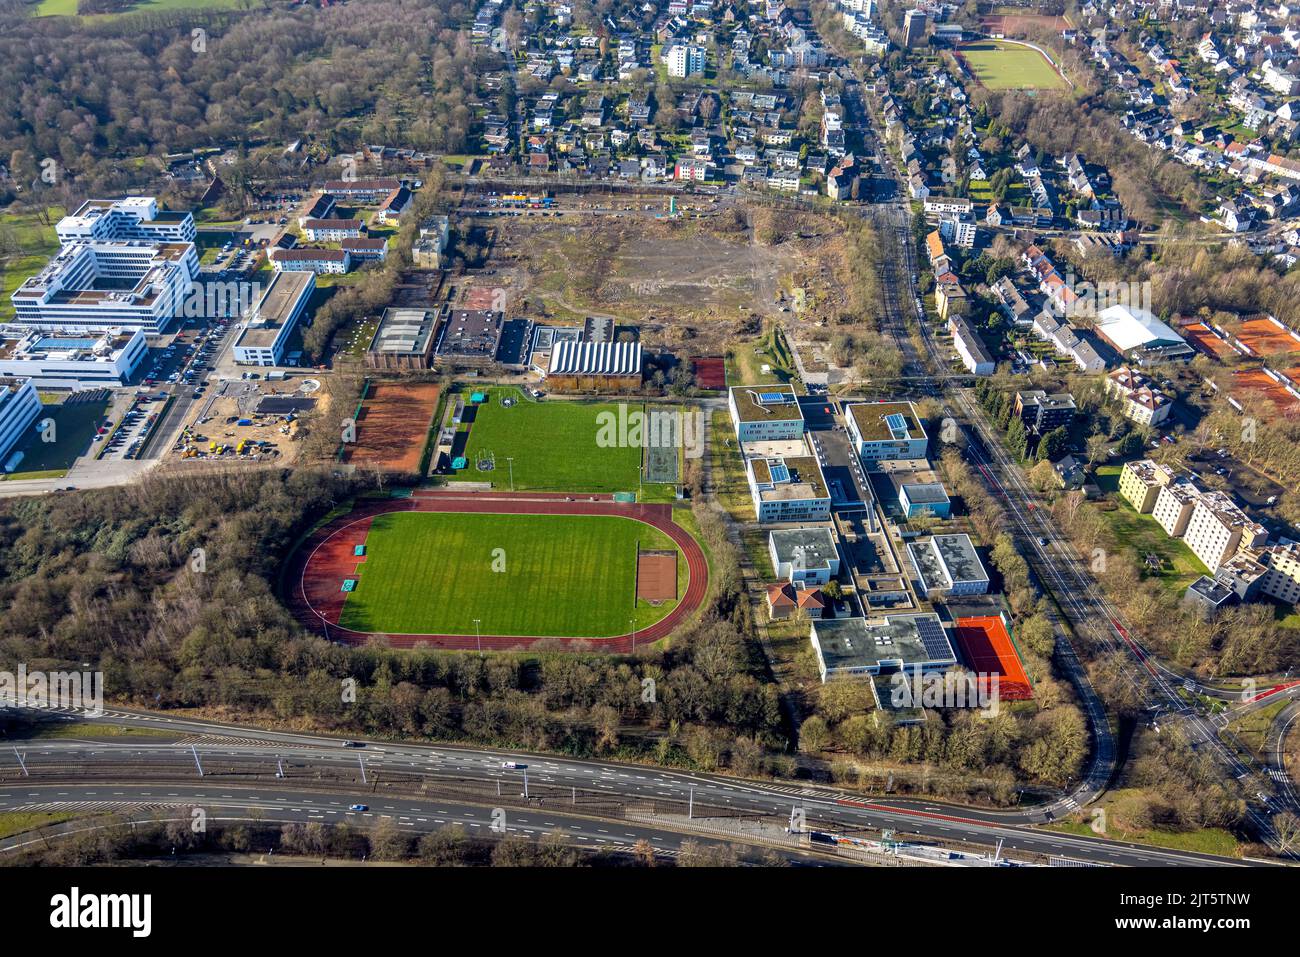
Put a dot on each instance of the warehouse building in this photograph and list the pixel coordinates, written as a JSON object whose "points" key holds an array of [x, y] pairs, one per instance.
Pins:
{"points": [[404, 340]]}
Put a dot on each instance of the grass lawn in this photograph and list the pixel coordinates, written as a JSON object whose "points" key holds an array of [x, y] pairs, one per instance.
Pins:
{"points": [[567, 576], [73, 427], [730, 482], [1007, 66], [68, 8], [553, 444], [745, 362], [16, 822], [35, 243], [93, 729], [1142, 535]]}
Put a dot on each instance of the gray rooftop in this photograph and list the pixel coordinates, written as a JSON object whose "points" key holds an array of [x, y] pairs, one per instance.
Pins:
{"points": [[925, 493], [815, 546], [861, 643], [404, 332]]}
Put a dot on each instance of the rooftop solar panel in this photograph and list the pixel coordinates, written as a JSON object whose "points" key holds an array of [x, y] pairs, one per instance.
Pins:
{"points": [[780, 473], [768, 398], [936, 642], [897, 425]]}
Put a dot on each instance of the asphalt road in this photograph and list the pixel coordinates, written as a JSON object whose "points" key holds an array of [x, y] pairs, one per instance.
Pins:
{"points": [[61, 769]]}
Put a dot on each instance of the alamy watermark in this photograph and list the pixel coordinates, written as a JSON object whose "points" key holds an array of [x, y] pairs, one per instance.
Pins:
{"points": [[915, 688], [53, 689], [631, 427]]}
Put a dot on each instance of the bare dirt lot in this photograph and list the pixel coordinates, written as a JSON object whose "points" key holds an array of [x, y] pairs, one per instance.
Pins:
{"points": [[703, 278]]}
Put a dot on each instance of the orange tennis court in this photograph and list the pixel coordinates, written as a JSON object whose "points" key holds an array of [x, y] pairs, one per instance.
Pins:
{"points": [[1266, 337], [987, 648]]}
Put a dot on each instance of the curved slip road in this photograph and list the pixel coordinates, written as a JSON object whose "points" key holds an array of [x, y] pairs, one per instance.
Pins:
{"points": [[321, 561]]}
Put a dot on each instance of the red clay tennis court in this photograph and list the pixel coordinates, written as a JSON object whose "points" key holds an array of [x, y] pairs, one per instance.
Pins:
{"points": [[987, 648], [1202, 338], [1258, 382], [393, 426], [1265, 337]]}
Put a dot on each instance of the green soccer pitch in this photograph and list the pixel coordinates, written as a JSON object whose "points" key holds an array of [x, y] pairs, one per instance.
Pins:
{"points": [[553, 444], [564, 575], [999, 65]]}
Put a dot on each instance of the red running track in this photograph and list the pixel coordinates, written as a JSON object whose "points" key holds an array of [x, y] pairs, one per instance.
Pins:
{"points": [[317, 569]]}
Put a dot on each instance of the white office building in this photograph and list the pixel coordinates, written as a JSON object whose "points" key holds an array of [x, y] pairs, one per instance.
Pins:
{"points": [[765, 413], [19, 407], [134, 217], [57, 360], [805, 557], [882, 431], [94, 286], [262, 341]]}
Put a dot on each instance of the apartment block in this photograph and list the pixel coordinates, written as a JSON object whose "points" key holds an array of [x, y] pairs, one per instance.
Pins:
{"points": [[1173, 508], [1140, 483], [1217, 528]]}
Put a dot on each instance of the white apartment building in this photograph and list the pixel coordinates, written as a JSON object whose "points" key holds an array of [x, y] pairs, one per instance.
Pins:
{"points": [[19, 407], [133, 217], [319, 261], [109, 284], [1173, 508], [56, 360], [1143, 402], [331, 230], [1282, 579], [262, 341], [1218, 528], [684, 60], [1140, 483]]}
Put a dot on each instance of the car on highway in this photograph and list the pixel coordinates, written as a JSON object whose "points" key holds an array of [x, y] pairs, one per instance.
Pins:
{"points": [[358, 807], [354, 744], [513, 765]]}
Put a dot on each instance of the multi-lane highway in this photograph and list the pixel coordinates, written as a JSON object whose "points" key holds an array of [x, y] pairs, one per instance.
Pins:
{"points": [[320, 775]]}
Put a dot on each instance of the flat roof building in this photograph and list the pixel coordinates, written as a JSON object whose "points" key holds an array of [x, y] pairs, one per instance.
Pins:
{"points": [[886, 430], [864, 646], [132, 217], [470, 336], [1140, 482], [948, 564], [765, 412], [1173, 508], [57, 360], [19, 407], [917, 498], [97, 285], [263, 339], [804, 556], [403, 340], [1218, 528], [788, 486]]}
